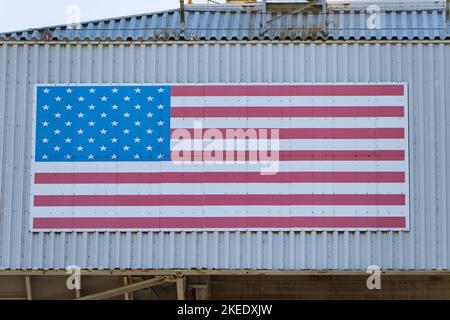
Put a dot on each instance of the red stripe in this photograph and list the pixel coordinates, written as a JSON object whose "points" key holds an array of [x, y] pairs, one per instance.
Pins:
{"points": [[255, 112], [287, 90], [221, 200], [299, 155], [219, 177], [322, 133], [219, 222]]}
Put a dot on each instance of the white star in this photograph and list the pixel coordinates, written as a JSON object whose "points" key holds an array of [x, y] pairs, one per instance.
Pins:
{"points": [[160, 156], [91, 123], [80, 131], [58, 99], [68, 156], [127, 98], [57, 131], [149, 148], [137, 107], [57, 148], [161, 107], [126, 148], [160, 90], [103, 148], [136, 156], [69, 90], [137, 123], [68, 140], [114, 140], [114, 123], [44, 157], [45, 140], [115, 107], [113, 157], [104, 99], [45, 124], [103, 131], [81, 99], [137, 140], [115, 90], [91, 157], [150, 98], [160, 123], [46, 107], [68, 124], [149, 131], [91, 90], [57, 115], [91, 140], [160, 140], [80, 148], [80, 115], [149, 115], [137, 90], [46, 90], [103, 115], [126, 131], [68, 107], [126, 115], [91, 107]]}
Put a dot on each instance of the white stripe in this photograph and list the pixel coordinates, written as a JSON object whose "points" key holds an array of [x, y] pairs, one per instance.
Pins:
{"points": [[283, 101], [220, 188], [217, 211], [288, 123], [293, 144], [284, 166]]}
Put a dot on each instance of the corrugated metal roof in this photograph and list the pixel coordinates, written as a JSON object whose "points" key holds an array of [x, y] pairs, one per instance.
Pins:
{"points": [[253, 23]]}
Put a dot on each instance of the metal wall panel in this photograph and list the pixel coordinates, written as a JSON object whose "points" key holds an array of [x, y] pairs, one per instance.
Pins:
{"points": [[424, 66]]}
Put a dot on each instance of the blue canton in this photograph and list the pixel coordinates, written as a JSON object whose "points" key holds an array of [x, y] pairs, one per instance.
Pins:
{"points": [[102, 123]]}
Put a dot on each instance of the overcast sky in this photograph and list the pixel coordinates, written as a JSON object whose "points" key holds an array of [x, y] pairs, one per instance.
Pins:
{"points": [[24, 14]]}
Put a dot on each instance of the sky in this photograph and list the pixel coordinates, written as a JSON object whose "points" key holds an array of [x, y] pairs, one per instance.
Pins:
{"points": [[23, 14]]}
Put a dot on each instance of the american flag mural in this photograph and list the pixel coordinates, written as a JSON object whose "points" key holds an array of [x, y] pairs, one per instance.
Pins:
{"points": [[220, 157]]}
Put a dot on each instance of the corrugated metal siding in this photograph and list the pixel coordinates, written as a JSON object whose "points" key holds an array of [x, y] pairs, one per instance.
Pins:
{"points": [[246, 24], [424, 66]]}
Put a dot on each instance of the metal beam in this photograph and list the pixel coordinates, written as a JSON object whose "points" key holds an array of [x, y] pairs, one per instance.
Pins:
{"points": [[12, 296], [28, 287], [447, 11], [130, 288], [182, 18], [127, 281], [181, 288], [221, 272]]}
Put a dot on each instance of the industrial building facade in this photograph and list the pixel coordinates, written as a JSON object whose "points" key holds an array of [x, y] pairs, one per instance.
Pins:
{"points": [[256, 43]]}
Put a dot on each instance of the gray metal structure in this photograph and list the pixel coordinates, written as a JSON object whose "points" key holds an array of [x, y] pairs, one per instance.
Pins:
{"points": [[413, 47]]}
